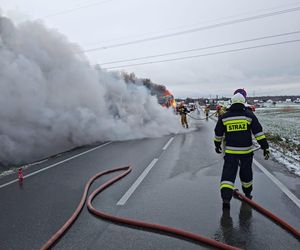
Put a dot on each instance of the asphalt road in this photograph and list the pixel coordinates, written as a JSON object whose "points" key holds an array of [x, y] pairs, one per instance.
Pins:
{"points": [[181, 190]]}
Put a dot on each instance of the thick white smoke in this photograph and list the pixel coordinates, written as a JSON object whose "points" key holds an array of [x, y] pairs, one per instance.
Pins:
{"points": [[51, 100]]}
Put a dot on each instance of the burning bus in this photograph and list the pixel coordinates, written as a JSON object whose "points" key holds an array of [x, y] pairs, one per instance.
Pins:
{"points": [[167, 99]]}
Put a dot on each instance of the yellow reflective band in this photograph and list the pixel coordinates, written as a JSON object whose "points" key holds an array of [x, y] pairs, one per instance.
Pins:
{"points": [[247, 185], [225, 185], [236, 127], [236, 121], [217, 140], [260, 137], [238, 152]]}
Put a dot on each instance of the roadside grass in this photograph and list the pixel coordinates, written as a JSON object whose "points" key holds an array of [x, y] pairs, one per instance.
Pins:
{"points": [[285, 144], [281, 125]]}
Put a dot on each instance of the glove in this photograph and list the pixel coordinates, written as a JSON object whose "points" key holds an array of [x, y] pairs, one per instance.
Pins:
{"points": [[267, 154], [218, 149]]}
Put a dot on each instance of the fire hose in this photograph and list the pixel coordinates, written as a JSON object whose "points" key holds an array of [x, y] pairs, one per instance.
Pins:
{"points": [[146, 225], [200, 119], [267, 213]]}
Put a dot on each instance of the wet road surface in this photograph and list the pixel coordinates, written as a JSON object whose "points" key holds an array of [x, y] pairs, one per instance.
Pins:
{"points": [[181, 190]]}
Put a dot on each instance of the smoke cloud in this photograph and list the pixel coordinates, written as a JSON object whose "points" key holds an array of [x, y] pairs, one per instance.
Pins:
{"points": [[51, 100]]}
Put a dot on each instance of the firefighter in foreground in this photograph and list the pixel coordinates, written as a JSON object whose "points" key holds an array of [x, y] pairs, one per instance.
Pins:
{"points": [[237, 126], [183, 112]]}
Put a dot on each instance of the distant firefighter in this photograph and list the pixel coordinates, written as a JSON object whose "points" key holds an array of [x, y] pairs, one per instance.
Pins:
{"points": [[220, 110], [182, 110], [206, 110]]}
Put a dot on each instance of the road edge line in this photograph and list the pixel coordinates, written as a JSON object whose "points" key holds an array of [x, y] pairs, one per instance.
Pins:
{"points": [[55, 164], [283, 188]]}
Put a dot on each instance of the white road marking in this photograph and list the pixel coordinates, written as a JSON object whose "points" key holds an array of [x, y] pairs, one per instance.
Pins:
{"points": [[168, 143], [55, 164], [138, 181], [278, 183]]}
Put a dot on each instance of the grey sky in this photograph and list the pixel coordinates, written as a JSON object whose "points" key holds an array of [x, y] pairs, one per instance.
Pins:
{"points": [[263, 71]]}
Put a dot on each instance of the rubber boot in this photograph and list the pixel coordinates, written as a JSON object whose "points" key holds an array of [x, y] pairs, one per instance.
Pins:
{"points": [[249, 196], [226, 204]]}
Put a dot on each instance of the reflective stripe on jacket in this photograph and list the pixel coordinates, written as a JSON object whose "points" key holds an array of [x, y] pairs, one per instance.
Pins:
{"points": [[237, 126]]}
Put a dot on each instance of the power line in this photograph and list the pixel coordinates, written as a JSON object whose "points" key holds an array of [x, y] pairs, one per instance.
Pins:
{"points": [[246, 19], [201, 23], [207, 54], [202, 48]]}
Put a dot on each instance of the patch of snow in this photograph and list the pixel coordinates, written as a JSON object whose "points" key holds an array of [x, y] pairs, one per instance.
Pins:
{"points": [[291, 164], [15, 169], [283, 120], [8, 172]]}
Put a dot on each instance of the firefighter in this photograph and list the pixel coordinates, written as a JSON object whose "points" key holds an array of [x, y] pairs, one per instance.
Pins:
{"points": [[237, 126], [206, 110], [183, 112], [220, 110]]}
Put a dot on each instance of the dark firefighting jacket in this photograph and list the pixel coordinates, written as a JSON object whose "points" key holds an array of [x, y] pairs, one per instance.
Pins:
{"points": [[238, 125], [183, 110]]}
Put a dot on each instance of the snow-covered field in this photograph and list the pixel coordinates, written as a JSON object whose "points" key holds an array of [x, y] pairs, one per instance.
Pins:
{"points": [[282, 126]]}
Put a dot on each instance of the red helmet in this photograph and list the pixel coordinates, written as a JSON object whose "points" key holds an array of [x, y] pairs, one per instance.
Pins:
{"points": [[241, 91]]}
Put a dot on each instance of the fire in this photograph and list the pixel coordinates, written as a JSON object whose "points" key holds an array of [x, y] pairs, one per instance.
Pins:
{"points": [[174, 103], [168, 99]]}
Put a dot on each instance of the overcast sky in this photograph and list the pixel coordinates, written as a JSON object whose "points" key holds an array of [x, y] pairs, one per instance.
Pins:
{"points": [[270, 70]]}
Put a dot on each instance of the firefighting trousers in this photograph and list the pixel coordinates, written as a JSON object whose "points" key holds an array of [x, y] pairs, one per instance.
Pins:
{"points": [[184, 120], [231, 165]]}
